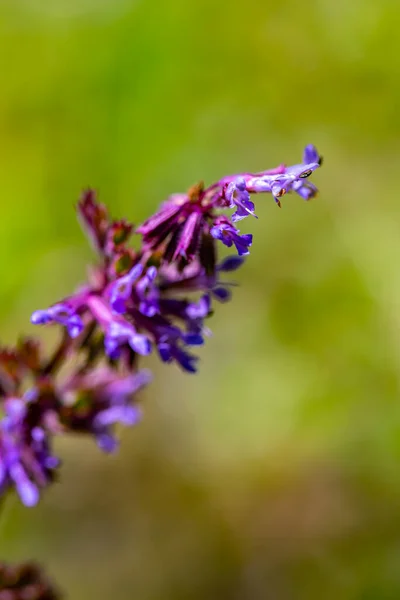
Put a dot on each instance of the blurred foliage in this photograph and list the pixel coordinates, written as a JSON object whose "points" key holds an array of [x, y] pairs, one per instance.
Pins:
{"points": [[273, 474]]}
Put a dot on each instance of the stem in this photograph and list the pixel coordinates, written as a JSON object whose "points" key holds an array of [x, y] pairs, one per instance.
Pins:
{"points": [[58, 357]]}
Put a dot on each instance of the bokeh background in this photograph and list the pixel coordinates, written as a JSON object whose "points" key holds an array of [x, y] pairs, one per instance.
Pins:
{"points": [[274, 473]]}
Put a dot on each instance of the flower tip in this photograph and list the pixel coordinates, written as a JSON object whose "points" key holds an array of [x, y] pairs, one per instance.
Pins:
{"points": [[75, 326], [140, 344], [230, 263], [107, 443], [135, 272], [29, 494], [311, 155], [39, 317]]}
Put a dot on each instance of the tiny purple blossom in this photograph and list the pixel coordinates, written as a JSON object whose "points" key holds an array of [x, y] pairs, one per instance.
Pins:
{"points": [[25, 459], [121, 289], [310, 155], [120, 333], [222, 293], [230, 263], [199, 309], [238, 196], [61, 314], [306, 189], [169, 352], [229, 235], [148, 293]]}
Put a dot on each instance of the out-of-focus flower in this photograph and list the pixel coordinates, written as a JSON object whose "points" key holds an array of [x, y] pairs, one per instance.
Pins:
{"points": [[88, 399], [93, 403], [25, 581], [26, 462]]}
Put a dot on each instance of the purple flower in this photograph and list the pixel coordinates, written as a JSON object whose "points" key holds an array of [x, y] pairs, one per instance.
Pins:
{"points": [[305, 189], [111, 402], [61, 314], [159, 295], [169, 351], [310, 155], [120, 333], [230, 263], [120, 290], [229, 235], [148, 293], [192, 315], [288, 179], [199, 309], [25, 459], [238, 197], [302, 186]]}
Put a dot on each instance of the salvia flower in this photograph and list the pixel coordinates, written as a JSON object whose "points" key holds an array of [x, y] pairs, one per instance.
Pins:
{"points": [[121, 289], [158, 297], [238, 197], [229, 236], [61, 314]]}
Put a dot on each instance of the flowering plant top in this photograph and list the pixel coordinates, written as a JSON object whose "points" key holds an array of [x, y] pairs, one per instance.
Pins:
{"points": [[133, 302]]}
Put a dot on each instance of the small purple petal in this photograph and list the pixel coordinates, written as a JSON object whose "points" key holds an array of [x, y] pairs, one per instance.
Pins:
{"points": [[61, 314], [164, 351], [140, 344], [27, 491], [40, 317], [127, 415], [238, 196], [200, 309], [311, 155], [112, 348], [221, 293], [228, 235], [193, 339], [305, 189], [38, 434], [121, 289], [51, 462], [74, 326], [230, 263], [106, 442]]}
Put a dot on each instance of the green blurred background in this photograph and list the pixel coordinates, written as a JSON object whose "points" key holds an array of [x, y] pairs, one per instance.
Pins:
{"points": [[274, 473]]}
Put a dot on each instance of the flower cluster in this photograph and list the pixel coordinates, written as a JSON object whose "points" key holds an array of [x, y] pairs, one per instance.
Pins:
{"points": [[134, 301]]}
